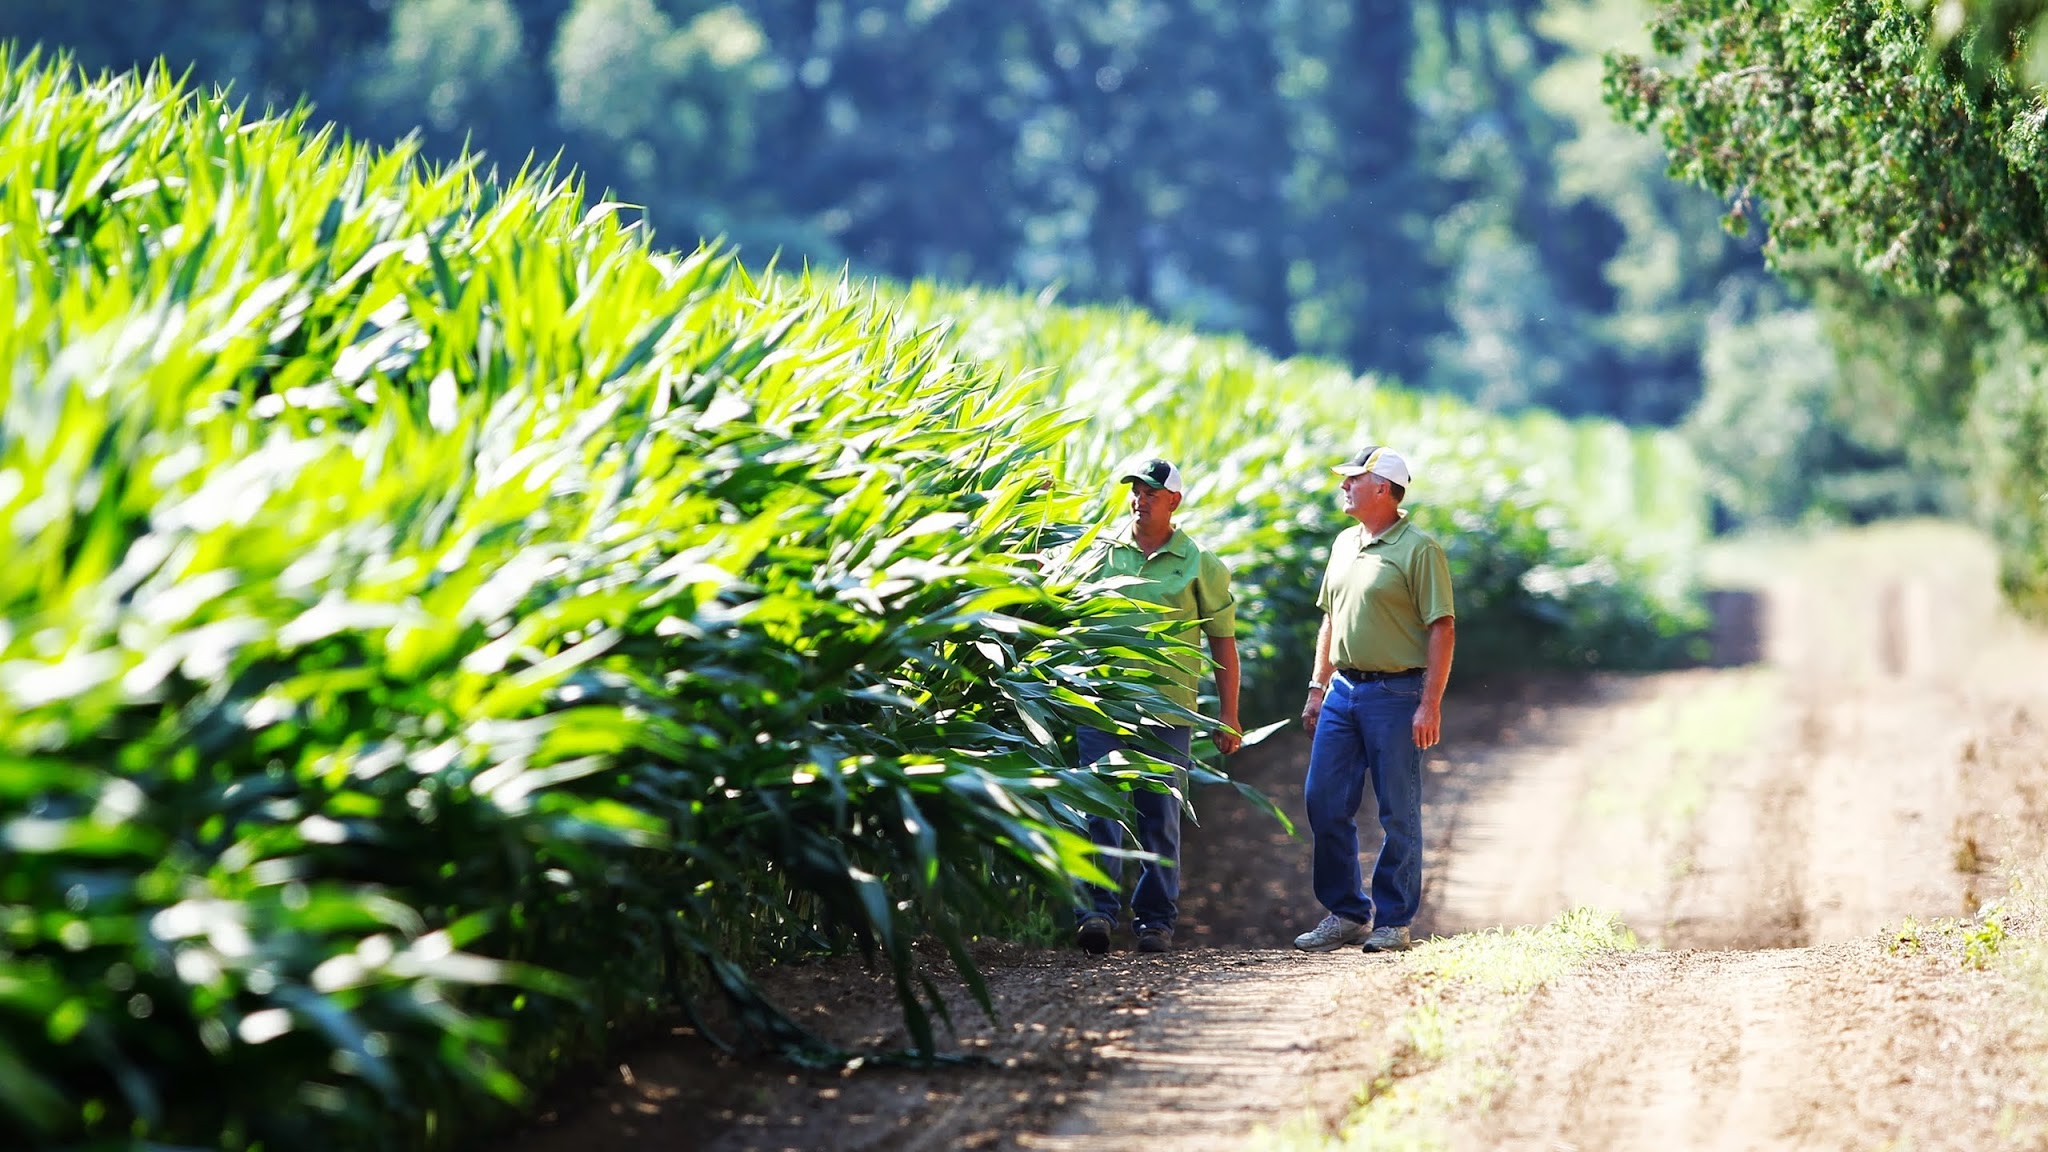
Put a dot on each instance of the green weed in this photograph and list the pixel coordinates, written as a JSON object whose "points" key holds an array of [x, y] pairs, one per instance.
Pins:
{"points": [[1906, 940], [1982, 941]]}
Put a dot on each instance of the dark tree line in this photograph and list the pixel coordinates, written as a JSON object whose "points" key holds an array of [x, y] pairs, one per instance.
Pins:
{"points": [[1424, 189]]}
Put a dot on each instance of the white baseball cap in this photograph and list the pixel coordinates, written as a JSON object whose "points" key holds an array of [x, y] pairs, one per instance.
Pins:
{"points": [[1156, 473], [1384, 462]]}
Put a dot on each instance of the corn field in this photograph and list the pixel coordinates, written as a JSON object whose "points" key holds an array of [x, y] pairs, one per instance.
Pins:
{"points": [[441, 626]]}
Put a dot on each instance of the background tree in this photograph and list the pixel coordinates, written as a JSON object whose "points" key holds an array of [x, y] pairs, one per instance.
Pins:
{"points": [[1898, 157], [457, 71]]}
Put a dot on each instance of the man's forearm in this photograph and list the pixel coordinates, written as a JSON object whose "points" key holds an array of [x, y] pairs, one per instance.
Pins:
{"points": [[1443, 639], [1223, 649], [1324, 667]]}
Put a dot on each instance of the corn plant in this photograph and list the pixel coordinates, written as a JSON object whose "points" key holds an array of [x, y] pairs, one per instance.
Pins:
{"points": [[439, 624]]}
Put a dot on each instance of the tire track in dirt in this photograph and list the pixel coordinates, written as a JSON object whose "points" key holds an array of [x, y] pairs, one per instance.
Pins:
{"points": [[1280, 1029], [1843, 1046], [1601, 1085]]}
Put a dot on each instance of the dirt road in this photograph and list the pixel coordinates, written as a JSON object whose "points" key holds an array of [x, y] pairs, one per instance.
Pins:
{"points": [[1766, 830]]}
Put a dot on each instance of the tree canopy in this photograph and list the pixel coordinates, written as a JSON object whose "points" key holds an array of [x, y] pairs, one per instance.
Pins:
{"points": [[1864, 140]]}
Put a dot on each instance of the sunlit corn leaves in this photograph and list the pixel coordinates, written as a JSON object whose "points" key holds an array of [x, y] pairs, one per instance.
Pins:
{"points": [[439, 624]]}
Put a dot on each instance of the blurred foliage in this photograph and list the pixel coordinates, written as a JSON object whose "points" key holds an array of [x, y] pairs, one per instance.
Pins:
{"points": [[1762, 428], [1896, 152], [1807, 415], [441, 626], [1429, 191], [2007, 430]]}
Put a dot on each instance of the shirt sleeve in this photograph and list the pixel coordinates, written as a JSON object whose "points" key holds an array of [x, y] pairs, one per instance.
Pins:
{"points": [[1432, 583], [1329, 564], [1213, 599]]}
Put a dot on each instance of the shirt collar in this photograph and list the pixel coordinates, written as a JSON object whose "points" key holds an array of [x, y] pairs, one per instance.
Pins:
{"points": [[1177, 544], [1392, 533]]}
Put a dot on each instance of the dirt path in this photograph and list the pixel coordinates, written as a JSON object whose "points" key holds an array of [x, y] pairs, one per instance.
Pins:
{"points": [[1813, 799], [1277, 1029], [1771, 827], [1841, 1046], [1764, 829]]}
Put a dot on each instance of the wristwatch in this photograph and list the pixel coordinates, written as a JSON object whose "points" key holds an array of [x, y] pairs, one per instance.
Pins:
{"points": [[1315, 685]]}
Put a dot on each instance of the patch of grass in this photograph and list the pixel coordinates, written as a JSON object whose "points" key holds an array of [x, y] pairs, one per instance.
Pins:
{"points": [[1981, 942], [1974, 941], [1521, 960], [1906, 941], [1445, 1057]]}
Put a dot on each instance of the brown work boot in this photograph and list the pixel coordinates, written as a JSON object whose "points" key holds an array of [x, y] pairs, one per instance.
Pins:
{"points": [[1092, 934]]}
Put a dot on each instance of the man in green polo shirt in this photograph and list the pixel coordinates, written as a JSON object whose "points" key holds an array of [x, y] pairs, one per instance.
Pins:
{"points": [[1376, 700], [1161, 566]]}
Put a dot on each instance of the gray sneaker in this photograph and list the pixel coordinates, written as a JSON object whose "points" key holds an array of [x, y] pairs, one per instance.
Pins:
{"points": [[1333, 933], [1388, 938]]}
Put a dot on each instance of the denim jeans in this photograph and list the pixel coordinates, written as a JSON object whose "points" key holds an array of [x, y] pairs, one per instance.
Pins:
{"points": [[1156, 902], [1366, 730]]}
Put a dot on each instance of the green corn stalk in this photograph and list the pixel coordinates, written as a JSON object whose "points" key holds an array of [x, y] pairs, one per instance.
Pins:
{"points": [[441, 624]]}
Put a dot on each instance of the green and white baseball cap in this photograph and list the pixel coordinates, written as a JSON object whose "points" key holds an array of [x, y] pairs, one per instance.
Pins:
{"points": [[1156, 473]]}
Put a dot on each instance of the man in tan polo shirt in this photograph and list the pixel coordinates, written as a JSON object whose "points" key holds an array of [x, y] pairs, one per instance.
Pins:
{"points": [[1383, 657]]}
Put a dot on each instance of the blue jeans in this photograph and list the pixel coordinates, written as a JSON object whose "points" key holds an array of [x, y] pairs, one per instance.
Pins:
{"points": [[1367, 730], [1156, 903]]}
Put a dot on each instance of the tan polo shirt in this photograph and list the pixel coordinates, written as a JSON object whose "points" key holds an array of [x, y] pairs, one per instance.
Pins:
{"points": [[1188, 585], [1382, 594]]}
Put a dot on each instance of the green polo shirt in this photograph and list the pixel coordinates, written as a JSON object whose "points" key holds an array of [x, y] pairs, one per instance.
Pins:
{"points": [[1187, 584], [1382, 595]]}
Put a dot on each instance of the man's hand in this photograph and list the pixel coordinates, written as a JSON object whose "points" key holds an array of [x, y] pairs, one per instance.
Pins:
{"points": [[1229, 738], [1312, 710], [1429, 724]]}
